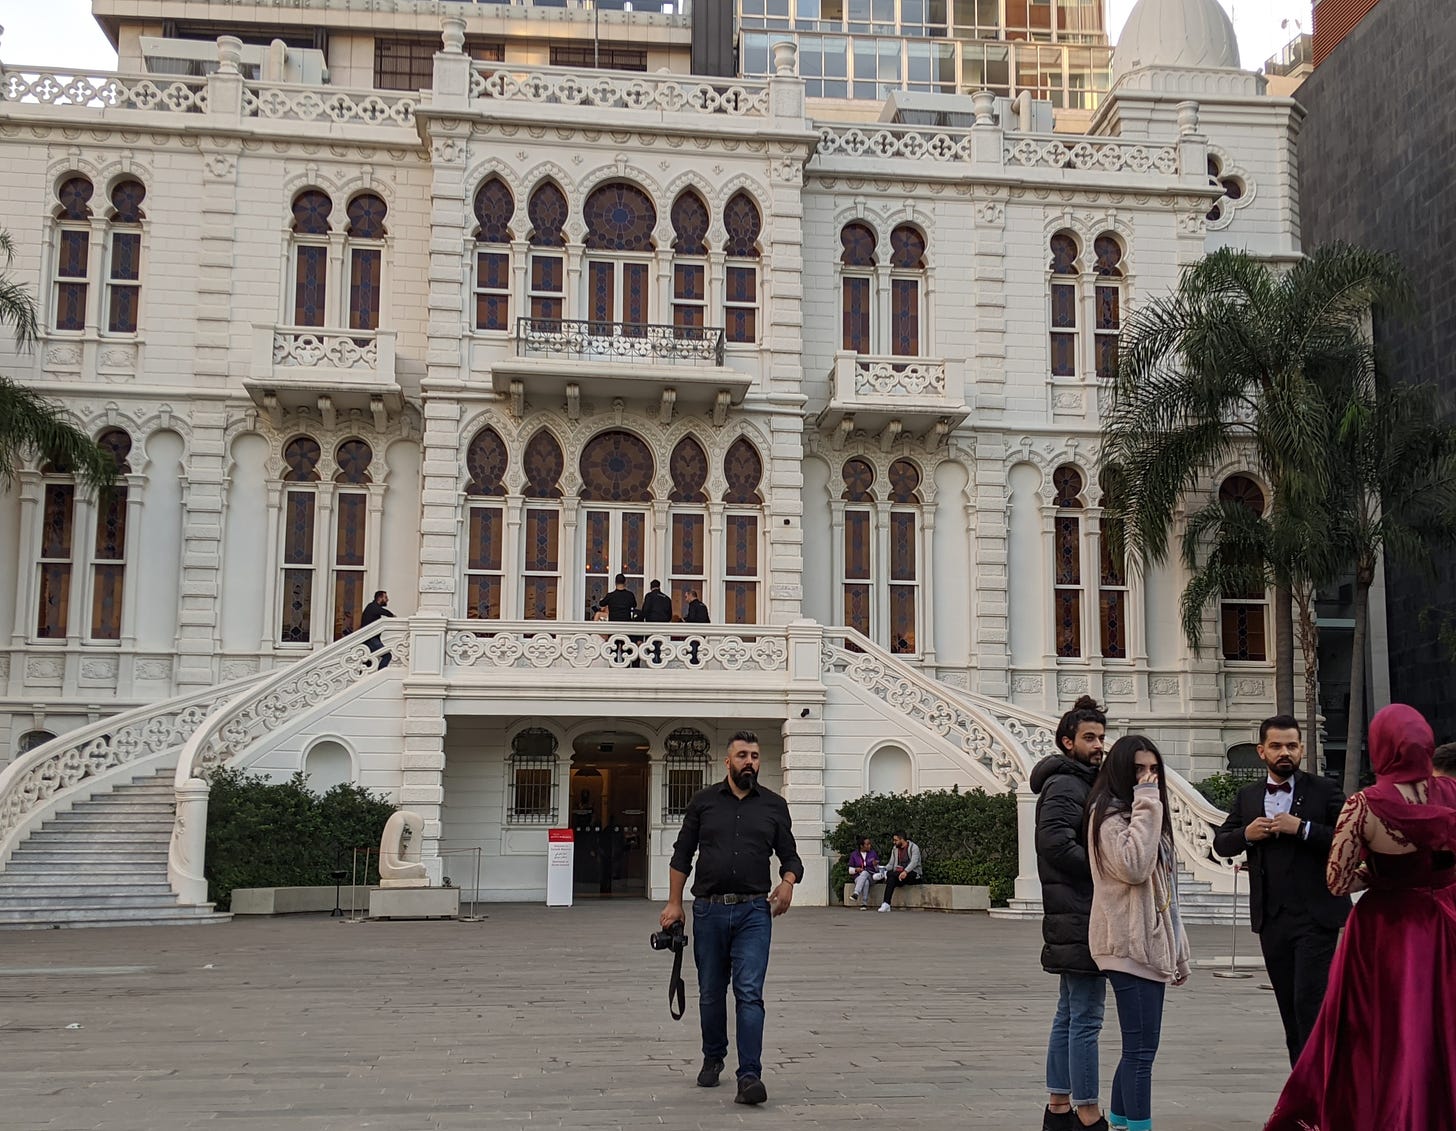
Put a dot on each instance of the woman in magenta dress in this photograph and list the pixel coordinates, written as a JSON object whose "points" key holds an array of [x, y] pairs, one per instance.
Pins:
{"points": [[1383, 1052]]}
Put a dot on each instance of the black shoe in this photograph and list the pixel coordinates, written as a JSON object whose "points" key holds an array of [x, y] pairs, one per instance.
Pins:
{"points": [[1100, 1125], [1059, 1120], [750, 1091], [709, 1073]]}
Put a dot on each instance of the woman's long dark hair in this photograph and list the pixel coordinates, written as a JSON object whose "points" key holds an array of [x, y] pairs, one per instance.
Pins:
{"points": [[1115, 781]]}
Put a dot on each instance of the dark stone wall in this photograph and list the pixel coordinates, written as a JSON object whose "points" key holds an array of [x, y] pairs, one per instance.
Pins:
{"points": [[1377, 167]]}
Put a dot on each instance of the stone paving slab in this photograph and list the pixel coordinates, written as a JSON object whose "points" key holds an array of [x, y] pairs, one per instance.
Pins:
{"points": [[541, 1017]]}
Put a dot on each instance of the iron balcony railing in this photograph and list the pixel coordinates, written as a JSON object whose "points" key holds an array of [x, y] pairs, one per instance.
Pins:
{"points": [[593, 340]]}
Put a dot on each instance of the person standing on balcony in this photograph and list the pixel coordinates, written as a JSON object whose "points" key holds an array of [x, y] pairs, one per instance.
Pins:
{"points": [[621, 602], [696, 612], [656, 609], [1062, 783], [1285, 825], [375, 610]]}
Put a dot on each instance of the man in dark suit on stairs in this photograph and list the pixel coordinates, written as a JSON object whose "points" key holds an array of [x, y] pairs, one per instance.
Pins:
{"points": [[1285, 824]]}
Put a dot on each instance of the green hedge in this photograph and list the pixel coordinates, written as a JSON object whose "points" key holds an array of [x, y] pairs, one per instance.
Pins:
{"points": [[964, 838], [261, 835], [1220, 790]]}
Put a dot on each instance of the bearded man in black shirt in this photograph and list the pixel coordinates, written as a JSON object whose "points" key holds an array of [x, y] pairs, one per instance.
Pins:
{"points": [[733, 827]]}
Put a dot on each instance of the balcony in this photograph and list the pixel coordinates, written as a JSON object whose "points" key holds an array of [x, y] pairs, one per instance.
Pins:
{"points": [[330, 370], [675, 366], [892, 397]]}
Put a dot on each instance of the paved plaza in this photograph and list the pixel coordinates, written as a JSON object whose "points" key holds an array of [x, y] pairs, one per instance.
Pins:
{"points": [[539, 1018]]}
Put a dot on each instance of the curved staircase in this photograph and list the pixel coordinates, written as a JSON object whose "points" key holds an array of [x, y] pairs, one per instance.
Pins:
{"points": [[101, 863]]}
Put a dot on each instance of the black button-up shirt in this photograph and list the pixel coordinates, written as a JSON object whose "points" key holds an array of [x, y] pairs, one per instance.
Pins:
{"points": [[733, 838]]}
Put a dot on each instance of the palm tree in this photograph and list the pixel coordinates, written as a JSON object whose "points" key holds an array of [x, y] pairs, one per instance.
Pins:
{"points": [[29, 423], [1230, 366]]}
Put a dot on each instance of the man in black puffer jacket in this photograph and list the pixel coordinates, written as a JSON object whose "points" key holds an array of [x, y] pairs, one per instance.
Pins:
{"points": [[1062, 782]]}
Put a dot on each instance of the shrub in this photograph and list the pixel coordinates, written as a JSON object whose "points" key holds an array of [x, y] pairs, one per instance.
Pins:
{"points": [[1220, 790], [264, 835], [965, 838]]}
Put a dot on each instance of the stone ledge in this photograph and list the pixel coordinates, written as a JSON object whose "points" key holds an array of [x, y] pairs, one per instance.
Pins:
{"points": [[414, 903], [291, 901], [927, 897]]}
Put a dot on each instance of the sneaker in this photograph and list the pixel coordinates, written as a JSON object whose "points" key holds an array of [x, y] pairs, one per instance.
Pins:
{"points": [[1100, 1125], [709, 1073], [884, 907], [750, 1091], [854, 897], [1059, 1120]]}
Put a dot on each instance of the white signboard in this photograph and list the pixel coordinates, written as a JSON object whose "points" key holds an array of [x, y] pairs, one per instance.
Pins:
{"points": [[560, 866]]}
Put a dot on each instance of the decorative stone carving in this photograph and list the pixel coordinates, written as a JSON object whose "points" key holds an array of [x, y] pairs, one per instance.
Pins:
{"points": [[399, 851], [1250, 688], [304, 350], [4, 667], [1072, 685], [764, 651], [59, 88], [1068, 400], [119, 357], [155, 669], [959, 680], [1164, 685], [1118, 685], [887, 378], [44, 667], [1092, 154], [237, 669], [328, 104], [1026, 685], [670, 93], [63, 357], [99, 669]]}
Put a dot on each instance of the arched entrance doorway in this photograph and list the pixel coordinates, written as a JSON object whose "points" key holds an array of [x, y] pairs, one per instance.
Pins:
{"points": [[610, 771]]}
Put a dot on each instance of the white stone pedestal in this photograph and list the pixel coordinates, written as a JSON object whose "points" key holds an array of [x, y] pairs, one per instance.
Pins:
{"points": [[414, 903]]}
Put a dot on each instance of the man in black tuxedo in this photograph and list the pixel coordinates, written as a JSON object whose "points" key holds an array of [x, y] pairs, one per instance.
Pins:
{"points": [[1285, 824]]}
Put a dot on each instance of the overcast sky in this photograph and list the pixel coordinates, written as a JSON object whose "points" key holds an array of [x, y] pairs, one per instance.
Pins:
{"points": [[62, 32]]}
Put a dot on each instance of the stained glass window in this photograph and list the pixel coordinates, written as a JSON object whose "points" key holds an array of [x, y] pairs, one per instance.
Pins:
{"points": [[907, 249], [690, 224], [740, 302], [486, 461], [856, 301], [858, 244], [311, 285], [1064, 254], [905, 317], [1244, 491], [311, 210], [687, 560], [1108, 253], [544, 464], [743, 225], [353, 458], [904, 479], [351, 517], [619, 217], [108, 570], [740, 587], [124, 263], [126, 199], [743, 469], [58, 515], [547, 283], [1067, 481], [365, 267], [484, 559], [299, 508], [689, 469], [301, 458], [1064, 319], [616, 467], [494, 209], [547, 212], [689, 299], [75, 196], [542, 564], [492, 290], [859, 479], [366, 214], [1243, 610], [73, 254], [1112, 598]]}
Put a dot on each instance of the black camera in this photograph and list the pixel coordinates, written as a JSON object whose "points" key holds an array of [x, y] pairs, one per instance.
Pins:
{"points": [[672, 938]]}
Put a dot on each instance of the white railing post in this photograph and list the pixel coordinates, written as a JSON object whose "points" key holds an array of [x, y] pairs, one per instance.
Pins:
{"points": [[189, 843], [1028, 882], [225, 85]]}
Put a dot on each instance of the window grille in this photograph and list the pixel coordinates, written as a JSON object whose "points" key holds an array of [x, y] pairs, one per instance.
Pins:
{"points": [[532, 778], [685, 771]]}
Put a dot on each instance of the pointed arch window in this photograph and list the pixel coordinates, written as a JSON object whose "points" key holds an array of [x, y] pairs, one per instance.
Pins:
{"points": [[124, 257], [366, 234], [494, 207], [544, 464], [1065, 272], [108, 557], [311, 210], [1107, 297], [546, 210], [859, 514], [744, 226], [1068, 484], [688, 553], [1112, 588], [486, 460], [904, 579], [689, 265], [301, 458], [73, 253], [351, 525], [857, 261], [743, 472], [57, 552], [907, 286], [1243, 613], [619, 218]]}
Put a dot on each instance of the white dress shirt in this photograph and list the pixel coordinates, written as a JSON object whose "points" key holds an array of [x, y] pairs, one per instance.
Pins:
{"points": [[1281, 801]]}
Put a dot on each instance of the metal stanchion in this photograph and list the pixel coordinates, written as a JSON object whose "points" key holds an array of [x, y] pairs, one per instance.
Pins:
{"points": [[1233, 971], [474, 892], [354, 916]]}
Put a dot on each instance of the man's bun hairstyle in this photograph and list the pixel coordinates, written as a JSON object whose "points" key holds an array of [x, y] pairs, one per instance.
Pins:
{"points": [[1084, 710]]}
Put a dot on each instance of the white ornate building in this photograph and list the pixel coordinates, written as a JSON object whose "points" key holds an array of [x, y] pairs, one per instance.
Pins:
{"points": [[486, 344]]}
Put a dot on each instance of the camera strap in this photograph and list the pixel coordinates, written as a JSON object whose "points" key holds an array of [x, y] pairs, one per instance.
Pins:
{"points": [[676, 990]]}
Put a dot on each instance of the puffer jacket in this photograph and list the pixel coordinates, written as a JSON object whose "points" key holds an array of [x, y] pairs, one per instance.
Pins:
{"points": [[1062, 785]]}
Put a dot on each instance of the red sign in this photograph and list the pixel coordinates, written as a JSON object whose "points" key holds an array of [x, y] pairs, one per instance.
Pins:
{"points": [[560, 836]]}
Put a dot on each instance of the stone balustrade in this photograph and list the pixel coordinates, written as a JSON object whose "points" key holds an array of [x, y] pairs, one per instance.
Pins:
{"points": [[672, 94]]}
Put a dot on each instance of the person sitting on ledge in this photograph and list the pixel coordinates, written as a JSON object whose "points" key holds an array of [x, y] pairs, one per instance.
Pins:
{"points": [[902, 868]]}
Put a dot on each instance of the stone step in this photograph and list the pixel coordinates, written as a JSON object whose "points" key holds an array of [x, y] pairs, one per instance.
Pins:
{"points": [[81, 855], [146, 833], [155, 910], [108, 804], [27, 875], [32, 900], [140, 823], [102, 921]]}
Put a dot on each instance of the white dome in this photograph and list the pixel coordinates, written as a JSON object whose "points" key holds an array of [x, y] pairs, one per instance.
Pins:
{"points": [[1176, 33]]}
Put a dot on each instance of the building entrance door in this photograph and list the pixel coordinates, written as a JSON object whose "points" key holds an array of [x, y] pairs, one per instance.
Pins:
{"points": [[609, 789], [616, 542]]}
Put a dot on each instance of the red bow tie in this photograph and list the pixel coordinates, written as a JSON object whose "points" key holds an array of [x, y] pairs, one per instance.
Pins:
{"points": [[1282, 787]]}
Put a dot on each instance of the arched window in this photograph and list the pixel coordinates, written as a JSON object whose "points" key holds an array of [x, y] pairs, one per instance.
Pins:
{"points": [[31, 739], [688, 551], [619, 220], [544, 464], [311, 210], [1067, 566], [494, 207], [904, 581], [859, 498], [124, 257], [1233, 189], [744, 225], [57, 553], [907, 275], [857, 261], [73, 253], [108, 568], [687, 761], [366, 234], [531, 776], [616, 475], [743, 471], [616, 467], [351, 524], [546, 210], [1107, 295], [689, 265], [1243, 612], [486, 460], [1112, 589], [301, 457], [1065, 273]]}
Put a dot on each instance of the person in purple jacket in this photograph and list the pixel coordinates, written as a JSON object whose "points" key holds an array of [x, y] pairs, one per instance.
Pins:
{"points": [[864, 869]]}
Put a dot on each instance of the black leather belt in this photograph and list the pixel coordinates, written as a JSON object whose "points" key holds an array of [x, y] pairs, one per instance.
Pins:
{"points": [[729, 899]]}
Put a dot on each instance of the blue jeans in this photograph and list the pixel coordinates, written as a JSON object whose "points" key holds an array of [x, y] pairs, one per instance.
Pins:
{"points": [[732, 942], [1071, 1066], [1140, 1016]]}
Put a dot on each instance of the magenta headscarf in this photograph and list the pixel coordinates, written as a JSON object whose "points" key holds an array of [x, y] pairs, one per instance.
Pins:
{"points": [[1401, 746]]}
